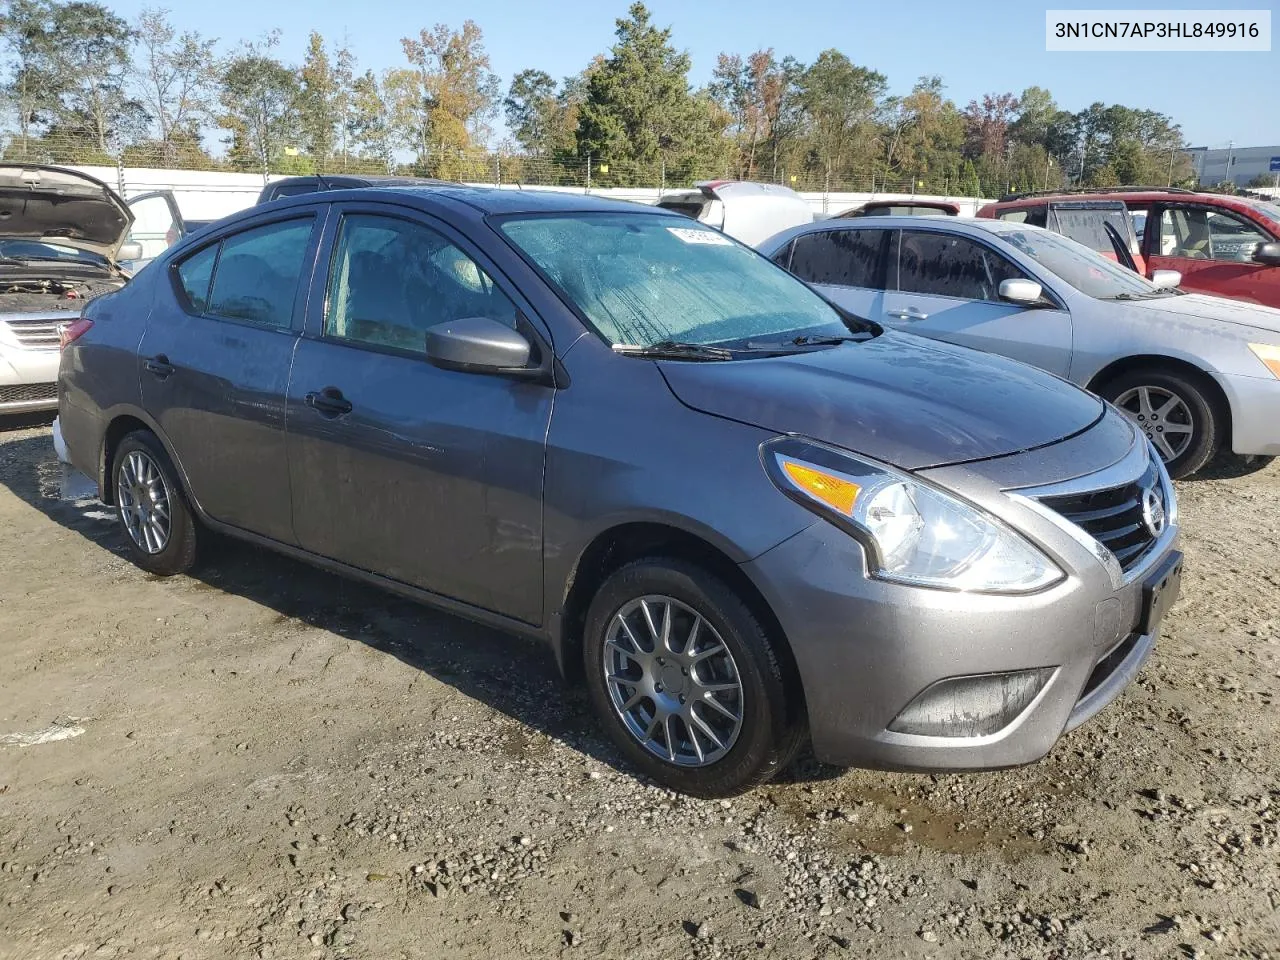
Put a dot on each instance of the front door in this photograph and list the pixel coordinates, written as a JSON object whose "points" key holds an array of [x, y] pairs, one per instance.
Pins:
{"points": [[946, 286], [214, 369], [1213, 250], [427, 476]]}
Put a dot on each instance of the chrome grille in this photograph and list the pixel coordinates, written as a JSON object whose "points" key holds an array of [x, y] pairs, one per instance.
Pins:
{"points": [[28, 393], [1114, 516], [36, 334]]}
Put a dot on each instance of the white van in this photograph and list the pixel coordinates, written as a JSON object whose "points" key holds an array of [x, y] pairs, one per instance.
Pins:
{"points": [[747, 211]]}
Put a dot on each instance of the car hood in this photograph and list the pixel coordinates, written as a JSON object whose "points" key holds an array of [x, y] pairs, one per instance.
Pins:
{"points": [[62, 206], [898, 398], [1199, 306]]}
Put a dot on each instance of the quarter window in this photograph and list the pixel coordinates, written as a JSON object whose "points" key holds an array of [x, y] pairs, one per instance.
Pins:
{"points": [[257, 275], [845, 258], [944, 265], [194, 274], [391, 279]]}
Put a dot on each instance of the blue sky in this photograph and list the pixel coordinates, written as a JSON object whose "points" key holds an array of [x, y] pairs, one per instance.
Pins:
{"points": [[989, 46]]}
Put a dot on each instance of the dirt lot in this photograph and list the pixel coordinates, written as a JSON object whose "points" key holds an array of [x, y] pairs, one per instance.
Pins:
{"points": [[267, 761]]}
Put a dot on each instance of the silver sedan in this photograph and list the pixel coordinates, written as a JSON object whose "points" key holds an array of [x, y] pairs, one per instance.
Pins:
{"points": [[1196, 373]]}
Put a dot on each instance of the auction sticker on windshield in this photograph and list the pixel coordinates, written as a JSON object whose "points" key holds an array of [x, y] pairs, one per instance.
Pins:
{"points": [[700, 236]]}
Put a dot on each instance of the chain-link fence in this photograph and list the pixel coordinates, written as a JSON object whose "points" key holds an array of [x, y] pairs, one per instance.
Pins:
{"points": [[475, 166]]}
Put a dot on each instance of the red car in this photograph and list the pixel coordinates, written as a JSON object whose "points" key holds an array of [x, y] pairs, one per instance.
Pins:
{"points": [[1223, 245]]}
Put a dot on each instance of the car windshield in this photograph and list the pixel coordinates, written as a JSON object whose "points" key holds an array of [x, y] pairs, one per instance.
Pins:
{"points": [[19, 248], [1269, 210], [642, 280], [1087, 271]]}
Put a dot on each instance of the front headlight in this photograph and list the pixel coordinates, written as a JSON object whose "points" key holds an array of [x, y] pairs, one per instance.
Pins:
{"points": [[914, 532], [1269, 355]]}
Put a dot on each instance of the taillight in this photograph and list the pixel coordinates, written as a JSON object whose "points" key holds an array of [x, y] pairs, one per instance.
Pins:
{"points": [[69, 332]]}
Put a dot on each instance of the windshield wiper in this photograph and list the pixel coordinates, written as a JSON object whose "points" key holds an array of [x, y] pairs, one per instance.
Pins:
{"points": [[823, 340], [674, 350]]}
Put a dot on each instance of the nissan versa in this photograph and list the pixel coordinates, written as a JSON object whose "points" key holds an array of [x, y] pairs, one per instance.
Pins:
{"points": [[739, 516]]}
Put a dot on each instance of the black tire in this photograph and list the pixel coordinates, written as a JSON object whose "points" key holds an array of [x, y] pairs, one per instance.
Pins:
{"points": [[1205, 419], [772, 724], [179, 551]]}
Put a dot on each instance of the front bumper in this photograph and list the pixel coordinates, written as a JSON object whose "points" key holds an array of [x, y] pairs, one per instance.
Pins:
{"points": [[28, 380], [866, 648], [1255, 429]]}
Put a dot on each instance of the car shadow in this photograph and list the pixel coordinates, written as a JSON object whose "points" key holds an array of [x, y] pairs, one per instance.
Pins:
{"points": [[513, 675]]}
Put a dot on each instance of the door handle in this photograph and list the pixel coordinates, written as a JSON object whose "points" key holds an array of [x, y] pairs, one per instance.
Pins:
{"points": [[159, 366], [911, 313], [328, 402]]}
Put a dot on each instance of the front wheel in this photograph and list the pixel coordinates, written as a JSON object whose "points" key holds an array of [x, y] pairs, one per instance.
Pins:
{"points": [[1175, 412], [687, 680]]}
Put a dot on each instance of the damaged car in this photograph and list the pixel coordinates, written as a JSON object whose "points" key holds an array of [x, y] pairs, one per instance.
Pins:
{"points": [[61, 238]]}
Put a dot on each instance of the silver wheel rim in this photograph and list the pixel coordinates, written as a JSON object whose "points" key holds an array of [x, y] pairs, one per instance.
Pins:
{"points": [[1163, 416], [672, 681], [144, 502]]}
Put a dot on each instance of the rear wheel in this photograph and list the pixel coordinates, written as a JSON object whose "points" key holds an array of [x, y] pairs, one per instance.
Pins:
{"points": [[687, 680], [160, 529], [1174, 410]]}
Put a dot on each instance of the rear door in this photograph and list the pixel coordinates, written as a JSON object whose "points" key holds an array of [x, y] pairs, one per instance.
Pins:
{"points": [[946, 286], [215, 366], [428, 476], [846, 266], [1213, 250]]}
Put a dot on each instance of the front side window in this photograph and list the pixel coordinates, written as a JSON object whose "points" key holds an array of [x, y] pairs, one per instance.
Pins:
{"points": [[1200, 234], [945, 265], [257, 274], [641, 279], [846, 258], [1087, 271], [391, 279]]}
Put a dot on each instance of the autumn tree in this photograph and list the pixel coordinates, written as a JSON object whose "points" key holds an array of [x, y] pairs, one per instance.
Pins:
{"points": [[318, 102], [839, 99]]}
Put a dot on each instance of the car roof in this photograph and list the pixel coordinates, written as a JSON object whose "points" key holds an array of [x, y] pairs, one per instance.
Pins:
{"points": [[485, 200], [969, 226], [1127, 196]]}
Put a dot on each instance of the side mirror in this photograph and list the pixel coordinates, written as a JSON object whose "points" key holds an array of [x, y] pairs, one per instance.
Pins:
{"points": [[1025, 293], [130, 251], [1267, 253], [1166, 279], [480, 345]]}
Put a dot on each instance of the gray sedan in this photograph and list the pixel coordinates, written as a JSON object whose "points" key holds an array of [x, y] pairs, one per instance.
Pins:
{"points": [[737, 516], [1196, 373]]}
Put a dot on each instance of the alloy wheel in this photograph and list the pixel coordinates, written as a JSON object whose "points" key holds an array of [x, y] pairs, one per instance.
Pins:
{"points": [[144, 502], [673, 681], [1162, 415]]}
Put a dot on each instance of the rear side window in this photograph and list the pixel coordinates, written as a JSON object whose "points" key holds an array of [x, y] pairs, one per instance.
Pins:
{"points": [[257, 274], [944, 265], [846, 258], [194, 274]]}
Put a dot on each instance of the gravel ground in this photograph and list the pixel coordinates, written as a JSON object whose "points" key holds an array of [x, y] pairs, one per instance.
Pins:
{"points": [[268, 761]]}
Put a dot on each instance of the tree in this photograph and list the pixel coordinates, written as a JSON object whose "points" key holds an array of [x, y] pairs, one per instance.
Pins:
{"points": [[839, 100], [317, 102], [260, 106], [445, 98], [638, 113], [176, 77], [369, 126], [531, 107], [32, 86]]}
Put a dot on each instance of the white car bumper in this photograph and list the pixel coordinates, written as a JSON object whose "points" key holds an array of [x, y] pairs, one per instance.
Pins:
{"points": [[28, 379]]}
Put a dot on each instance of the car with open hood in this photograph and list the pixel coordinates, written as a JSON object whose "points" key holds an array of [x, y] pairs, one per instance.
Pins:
{"points": [[62, 234], [739, 516]]}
